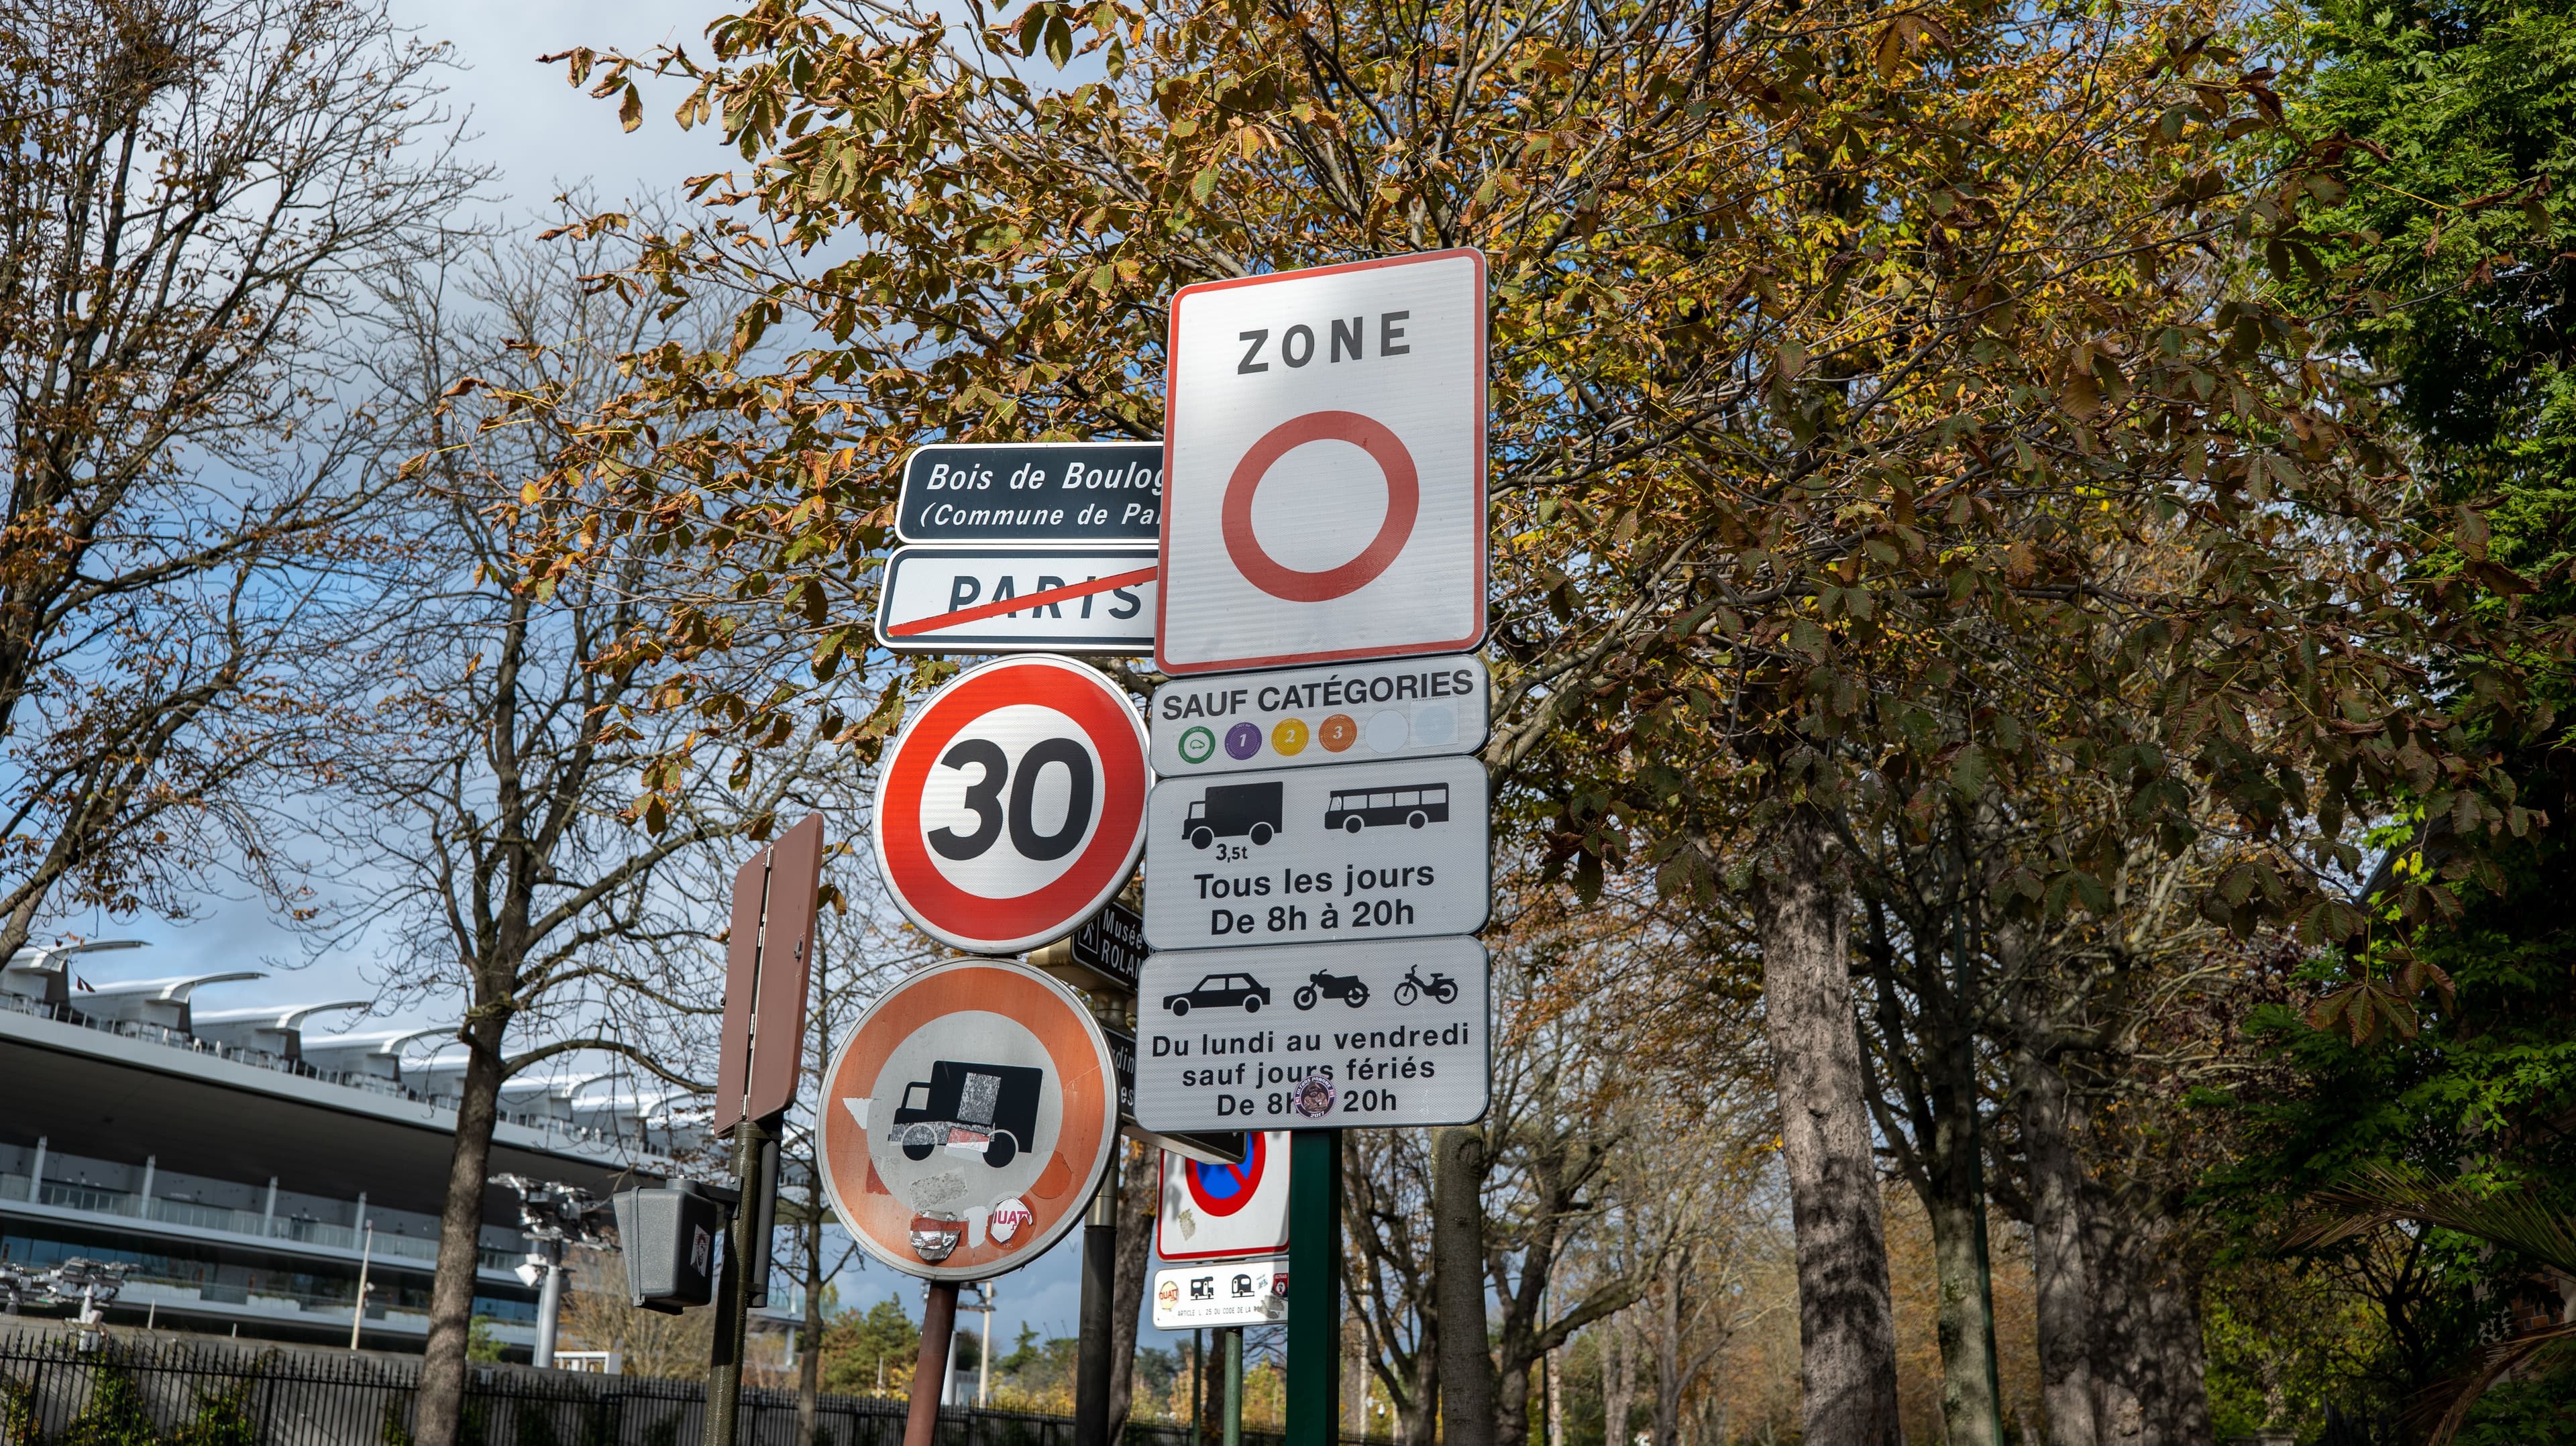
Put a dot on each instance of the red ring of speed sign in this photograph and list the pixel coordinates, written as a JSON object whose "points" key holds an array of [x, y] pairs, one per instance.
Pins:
{"points": [[991, 742], [967, 1119]]}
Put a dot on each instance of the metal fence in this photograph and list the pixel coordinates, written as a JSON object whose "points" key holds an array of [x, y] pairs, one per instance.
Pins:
{"points": [[136, 1392]]}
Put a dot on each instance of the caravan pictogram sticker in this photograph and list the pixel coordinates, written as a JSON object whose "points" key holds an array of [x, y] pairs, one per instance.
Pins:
{"points": [[967, 1120], [1013, 805]]}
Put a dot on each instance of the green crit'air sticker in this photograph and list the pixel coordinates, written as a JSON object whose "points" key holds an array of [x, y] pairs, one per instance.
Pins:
{"points": [[1197, 745]]}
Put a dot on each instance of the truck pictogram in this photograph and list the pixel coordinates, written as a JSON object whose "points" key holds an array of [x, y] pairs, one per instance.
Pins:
{"points": [[991, 1108], [1236, 810]]}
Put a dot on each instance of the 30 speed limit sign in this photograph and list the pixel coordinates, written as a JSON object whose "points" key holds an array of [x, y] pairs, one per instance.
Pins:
{"points": [[1013, 805]]}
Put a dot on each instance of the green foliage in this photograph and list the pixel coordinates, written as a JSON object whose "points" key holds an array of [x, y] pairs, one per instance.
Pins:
{"points": [[2281, 1349], [114, 1416], [2539, 1411], [17, 1413], [480, 1343], [863, 1349], [2455, 126], [2463, 119], [223, 1419], [2377, 1316], [1036, 1368]]}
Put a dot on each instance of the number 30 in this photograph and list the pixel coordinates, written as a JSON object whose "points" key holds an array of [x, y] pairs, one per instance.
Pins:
{"points": [[984, 799]]}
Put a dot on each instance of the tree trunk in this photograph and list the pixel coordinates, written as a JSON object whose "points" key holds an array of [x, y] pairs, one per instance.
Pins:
{"points": [[1556, 1397], [2119, 1412], [1512, 1403], [1668, 1357], [809, 1340], [2174, 1391], [439, 1403], [1466, 1375], [1971, 1406], [2061, 1274], [1618, 1382], [1846, 1324], [1417, 1421], [1137, 1182]]}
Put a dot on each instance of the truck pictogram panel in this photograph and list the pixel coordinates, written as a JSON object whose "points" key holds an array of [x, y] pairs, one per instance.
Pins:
{"points": [[1236, 810], [987, 1108]]}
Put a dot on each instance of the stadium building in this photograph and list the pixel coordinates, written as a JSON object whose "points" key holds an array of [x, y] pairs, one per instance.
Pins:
{"points": [[246, 1165]]}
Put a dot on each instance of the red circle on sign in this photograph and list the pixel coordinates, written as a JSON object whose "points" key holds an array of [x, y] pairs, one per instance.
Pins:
{"points": [[1403, 502], [982, 924], [1246, 1177]]}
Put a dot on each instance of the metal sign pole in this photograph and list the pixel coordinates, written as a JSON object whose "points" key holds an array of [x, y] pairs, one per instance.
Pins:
{"points": [[733, 1297], [724, 1366], [930, 1368], [1099, 1312], [1234, 1386], [746, 1275], [1315, 1288]]}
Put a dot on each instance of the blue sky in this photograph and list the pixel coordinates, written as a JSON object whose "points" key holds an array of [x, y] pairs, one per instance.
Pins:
{"points": [[540, 137]]}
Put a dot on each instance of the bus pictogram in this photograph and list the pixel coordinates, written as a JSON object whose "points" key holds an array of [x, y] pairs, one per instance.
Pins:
{"points": [[1354, 809]]}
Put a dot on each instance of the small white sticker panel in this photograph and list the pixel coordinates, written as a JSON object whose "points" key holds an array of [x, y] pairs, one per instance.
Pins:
{"points": [[1366, 851], [1306, 717], [1397, 1033], [1221, 1293]]}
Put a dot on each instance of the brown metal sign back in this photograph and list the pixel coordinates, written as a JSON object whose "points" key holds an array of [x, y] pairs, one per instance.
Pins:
{"points": [[768, 961]]}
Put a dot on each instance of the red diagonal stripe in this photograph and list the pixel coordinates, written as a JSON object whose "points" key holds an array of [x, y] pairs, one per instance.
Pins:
{"points": [[1041, 598]]}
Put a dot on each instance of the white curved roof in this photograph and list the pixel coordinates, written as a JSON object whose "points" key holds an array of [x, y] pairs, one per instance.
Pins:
{"points": [[374, 1041], [174, 990], [272, 1016]]}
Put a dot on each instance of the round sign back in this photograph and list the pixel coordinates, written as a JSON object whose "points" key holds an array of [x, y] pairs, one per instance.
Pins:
{"points": [[967, 1120], [1013, 805]]}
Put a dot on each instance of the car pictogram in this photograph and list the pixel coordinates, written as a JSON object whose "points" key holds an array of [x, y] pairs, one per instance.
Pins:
{"points": [[1221, 991]]}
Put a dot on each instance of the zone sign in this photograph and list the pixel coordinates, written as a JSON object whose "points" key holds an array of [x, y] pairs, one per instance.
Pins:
{"points": [[1324, 466], [1012, 806]]}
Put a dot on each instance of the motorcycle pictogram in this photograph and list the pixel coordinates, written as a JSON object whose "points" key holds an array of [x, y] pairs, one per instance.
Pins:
{"points": [[1348, 988]]}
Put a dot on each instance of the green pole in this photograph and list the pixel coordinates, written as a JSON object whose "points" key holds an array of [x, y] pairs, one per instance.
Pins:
{"points": [[1234, 1387], [1314, 1288]]}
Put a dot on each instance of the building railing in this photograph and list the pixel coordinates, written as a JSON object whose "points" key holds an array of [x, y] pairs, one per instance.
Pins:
{"points": [[555, 1128], [304, 1307], [50, 1390], [125, 1205]]}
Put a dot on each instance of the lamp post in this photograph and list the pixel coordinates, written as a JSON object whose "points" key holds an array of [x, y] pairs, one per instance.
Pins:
{"points": [[366, 1255], [550, 1214], [983, 1358], [547, 1260]]}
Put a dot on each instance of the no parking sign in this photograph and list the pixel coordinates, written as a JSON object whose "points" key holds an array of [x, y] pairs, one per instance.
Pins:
{"points": [[1225, 1212]]}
